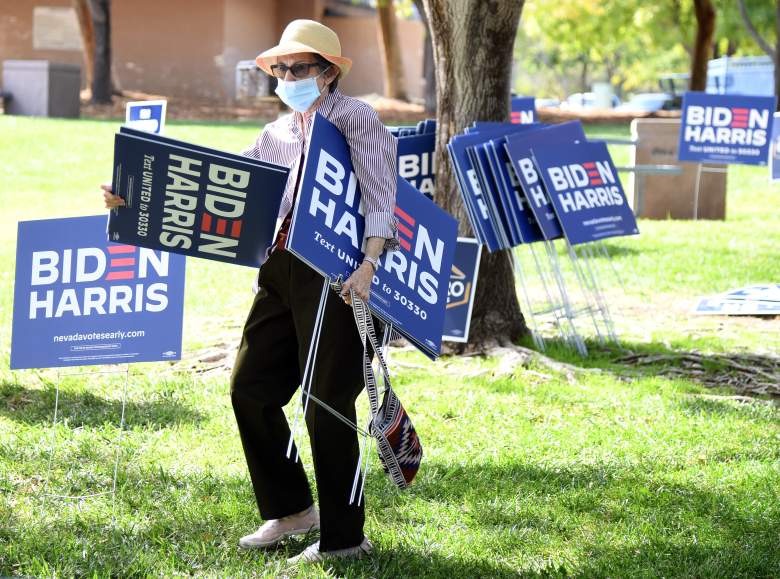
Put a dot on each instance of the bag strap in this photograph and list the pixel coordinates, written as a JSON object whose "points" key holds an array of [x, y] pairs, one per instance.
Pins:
{"points": [[365, 325]]}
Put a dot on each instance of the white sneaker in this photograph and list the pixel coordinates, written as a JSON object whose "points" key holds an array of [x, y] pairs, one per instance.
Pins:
{"points": [[312, 553], [274, 531]]}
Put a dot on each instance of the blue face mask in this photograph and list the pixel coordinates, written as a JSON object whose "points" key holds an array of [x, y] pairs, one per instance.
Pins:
{"points": [[299, 95]]}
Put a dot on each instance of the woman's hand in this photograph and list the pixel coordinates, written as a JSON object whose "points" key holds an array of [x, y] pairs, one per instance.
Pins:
{"points": [[359, 282], [112, 201]]}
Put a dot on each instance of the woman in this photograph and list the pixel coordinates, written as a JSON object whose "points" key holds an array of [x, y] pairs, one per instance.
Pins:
{"points": [[308, 65]]}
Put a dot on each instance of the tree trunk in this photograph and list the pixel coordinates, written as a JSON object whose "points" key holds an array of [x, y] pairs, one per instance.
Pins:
{"points": [[84, 17], [584, 75], [429, 70], [101, 82], [390, 51], [702, 48], [472, 47]]}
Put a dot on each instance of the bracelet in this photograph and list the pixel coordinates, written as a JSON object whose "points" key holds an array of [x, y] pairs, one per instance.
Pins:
{"points": [[373, 261]]}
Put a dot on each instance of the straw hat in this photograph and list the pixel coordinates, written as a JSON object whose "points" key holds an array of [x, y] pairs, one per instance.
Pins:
{"points": [[306, 36]]}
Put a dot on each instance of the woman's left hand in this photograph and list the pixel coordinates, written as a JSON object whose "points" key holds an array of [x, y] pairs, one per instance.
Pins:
{"points": [[359, 282]]}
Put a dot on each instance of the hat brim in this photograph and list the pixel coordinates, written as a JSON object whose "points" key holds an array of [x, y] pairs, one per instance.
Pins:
{"points": [[267, 58]]}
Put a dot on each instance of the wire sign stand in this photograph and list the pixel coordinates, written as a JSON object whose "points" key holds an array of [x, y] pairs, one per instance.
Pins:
{"points": [[47, 493], [558, 305]]}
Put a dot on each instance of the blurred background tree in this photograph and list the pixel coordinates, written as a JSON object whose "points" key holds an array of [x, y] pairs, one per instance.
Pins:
{"points": [[563, 47]]}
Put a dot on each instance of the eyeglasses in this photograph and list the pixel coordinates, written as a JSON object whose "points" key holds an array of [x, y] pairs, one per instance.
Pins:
{"points": [[298, 70]]}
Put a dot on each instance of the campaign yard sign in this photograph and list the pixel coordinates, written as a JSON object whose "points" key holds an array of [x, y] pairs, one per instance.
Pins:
{"points": [[193, 200], [80, 300], [462, 288], [585, 191], [481, 206], [726, 128], [505, 176], [725, 306], [146, 116], [524, 110], [409, 289], [416, 162], [774, 149], [518, 148]]}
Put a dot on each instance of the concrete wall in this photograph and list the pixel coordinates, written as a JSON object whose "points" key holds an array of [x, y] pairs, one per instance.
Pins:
{"points": [[173, 48], [360, 42], [189, 49], [16, 33]]}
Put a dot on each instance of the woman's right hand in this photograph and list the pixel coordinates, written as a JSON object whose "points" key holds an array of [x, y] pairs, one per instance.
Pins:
{"points": [[112, 201]]}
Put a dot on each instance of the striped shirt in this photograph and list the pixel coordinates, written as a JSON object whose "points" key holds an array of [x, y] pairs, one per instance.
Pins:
{"points": [[372, 149]]}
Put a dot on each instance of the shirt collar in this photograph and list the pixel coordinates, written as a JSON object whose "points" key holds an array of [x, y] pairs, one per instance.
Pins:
{"points": [[324, 109]]}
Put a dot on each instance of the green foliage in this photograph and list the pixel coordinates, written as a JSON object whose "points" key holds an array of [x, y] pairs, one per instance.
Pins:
{"points": [[619, 473], [564, 46]]}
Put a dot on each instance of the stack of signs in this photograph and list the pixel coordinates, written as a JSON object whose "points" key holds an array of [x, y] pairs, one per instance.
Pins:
{"points": [[194, 200], [506, 174], [415, 161], [518, 150], [462, 289], [409, 289], [488, 203], [726, 128], [754, 300], [80, 300], [583, 186], [421, 128], [524, 110]]}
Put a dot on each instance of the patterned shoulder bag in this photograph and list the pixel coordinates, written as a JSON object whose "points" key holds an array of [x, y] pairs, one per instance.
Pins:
{"points": [[399, 446]]}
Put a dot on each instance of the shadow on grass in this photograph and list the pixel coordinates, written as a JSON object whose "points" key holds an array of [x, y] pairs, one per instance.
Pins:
{"points": [[514, 519], [644, 523], [741, 373], [34, 406]]}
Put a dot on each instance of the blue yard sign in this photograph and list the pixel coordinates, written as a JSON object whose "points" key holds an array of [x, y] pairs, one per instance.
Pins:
{"points": [[521, 216], [726, 128], [146, 116], [193, 200], [462, 288], [585, 191], [774, 149], [518, 148], [410, 288], [80, 300], [524, 110], [416, 162], [480, 205]]}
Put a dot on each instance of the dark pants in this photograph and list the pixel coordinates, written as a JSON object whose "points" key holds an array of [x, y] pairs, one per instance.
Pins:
{"points": [[269, 368]]}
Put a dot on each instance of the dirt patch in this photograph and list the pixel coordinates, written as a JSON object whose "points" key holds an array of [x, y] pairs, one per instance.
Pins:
{"points": [[744, 373], [390, 111], [600, 116], [184, 109]]}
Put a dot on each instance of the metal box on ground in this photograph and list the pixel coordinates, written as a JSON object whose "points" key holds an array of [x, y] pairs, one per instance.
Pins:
{"points": [[41, 88], [673, 196]]}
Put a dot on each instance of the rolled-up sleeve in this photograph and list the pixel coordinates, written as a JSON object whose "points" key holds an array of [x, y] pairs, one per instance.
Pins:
{"points": [[373, 150]]}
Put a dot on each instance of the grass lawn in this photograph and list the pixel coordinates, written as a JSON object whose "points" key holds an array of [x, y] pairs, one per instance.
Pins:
{"points": [[616, 470]]}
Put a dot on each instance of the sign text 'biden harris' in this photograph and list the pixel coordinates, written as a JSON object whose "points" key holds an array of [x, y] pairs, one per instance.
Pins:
{"points": [[726, 128], [195, 201], [409, 289], [585, 191], [80, 300]]}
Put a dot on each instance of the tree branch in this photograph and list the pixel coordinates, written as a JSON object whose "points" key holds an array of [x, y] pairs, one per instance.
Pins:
{"points": [[762, 43]]}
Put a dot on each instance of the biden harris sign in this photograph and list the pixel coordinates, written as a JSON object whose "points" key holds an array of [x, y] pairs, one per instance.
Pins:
{"points": [[409, 289], [81, 300], [726, 128], [585, 191]]}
